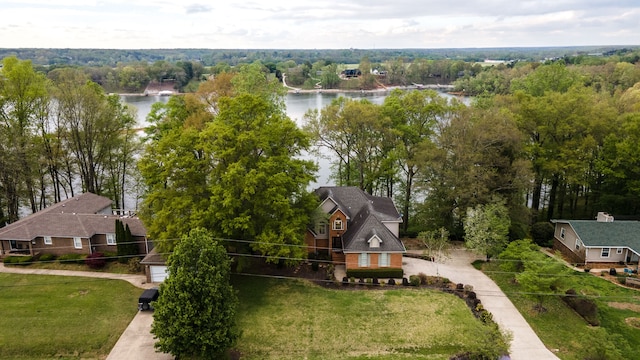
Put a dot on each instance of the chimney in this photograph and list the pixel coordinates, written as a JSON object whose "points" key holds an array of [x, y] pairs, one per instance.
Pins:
{"points": [[604, 217]]}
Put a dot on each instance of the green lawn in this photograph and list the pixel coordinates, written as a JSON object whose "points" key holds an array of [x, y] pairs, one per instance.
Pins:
{"points": [[291, 319], [562, 328], [45, 317]]}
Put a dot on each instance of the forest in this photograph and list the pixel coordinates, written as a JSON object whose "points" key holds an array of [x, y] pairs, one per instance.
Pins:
{"points": [[552, 139]]}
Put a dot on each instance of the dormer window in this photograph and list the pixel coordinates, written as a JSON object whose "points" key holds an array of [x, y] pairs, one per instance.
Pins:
{"points": [[337, 224], [374, 242]]}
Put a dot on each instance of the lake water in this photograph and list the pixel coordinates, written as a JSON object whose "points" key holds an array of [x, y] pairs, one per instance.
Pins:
{"points": [[297, 105]]}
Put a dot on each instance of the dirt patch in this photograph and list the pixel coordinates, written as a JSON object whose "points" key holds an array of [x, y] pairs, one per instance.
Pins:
{"points": [[625, 306], [633, 322]]}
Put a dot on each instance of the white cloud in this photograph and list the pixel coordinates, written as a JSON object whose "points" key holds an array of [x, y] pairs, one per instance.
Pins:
{"points": [[317, 24]]}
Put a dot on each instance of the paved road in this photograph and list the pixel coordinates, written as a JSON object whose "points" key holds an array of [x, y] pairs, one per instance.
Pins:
{"points": [[525, 345], [136, 342]]}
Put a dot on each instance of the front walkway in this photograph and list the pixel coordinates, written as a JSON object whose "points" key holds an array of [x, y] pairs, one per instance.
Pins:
{"points": [[525, 344]]}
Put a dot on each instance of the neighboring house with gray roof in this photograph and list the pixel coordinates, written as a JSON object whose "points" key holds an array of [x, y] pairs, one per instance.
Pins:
{"points": [[600, 241], [82, 224], [360, 230]]}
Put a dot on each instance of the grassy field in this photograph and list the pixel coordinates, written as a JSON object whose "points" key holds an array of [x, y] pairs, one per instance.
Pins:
{"points": [[559, 327], [45, 317], [291, 319]]}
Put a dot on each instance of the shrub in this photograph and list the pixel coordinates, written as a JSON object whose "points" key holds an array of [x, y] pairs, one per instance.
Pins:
{"points": [[622, 279], [95, 260], [414, 280], [47, 257], [315, 266], [18, 260], [71, 258], [375, 281], [423, 278], [468, 289], [345, 281], [542, 233], [133, 266], [405, 282], [586, 308], [379, 273], [391, 282]]}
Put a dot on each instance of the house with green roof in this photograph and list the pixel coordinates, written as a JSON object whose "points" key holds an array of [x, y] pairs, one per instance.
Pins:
{"points": [[601, 241]]}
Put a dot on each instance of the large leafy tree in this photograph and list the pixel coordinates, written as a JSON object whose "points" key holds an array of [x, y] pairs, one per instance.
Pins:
{"points": [[98, 130], [486, 228], [195, 313], [258, 180], [414, 116], [24, 102], [229, 160], [359, 137]]}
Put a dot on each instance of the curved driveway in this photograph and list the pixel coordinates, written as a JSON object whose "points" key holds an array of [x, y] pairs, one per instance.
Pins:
{"points": [[525, 344]]}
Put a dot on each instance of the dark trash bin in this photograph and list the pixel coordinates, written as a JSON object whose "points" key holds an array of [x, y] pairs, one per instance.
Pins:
{"points": [[144, 301]]}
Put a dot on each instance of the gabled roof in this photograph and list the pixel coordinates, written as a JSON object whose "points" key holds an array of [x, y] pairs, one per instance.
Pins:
{"points": [[75, 217], [366, 217], [606, 234], [351, 200], [362, 228]]}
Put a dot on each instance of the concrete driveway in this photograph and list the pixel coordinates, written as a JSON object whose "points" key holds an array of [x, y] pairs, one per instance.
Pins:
{"points": [[136, 342], [525, 345]]}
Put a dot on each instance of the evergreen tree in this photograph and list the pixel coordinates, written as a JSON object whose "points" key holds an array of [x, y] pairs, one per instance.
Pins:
{"points": [[194, 316]]}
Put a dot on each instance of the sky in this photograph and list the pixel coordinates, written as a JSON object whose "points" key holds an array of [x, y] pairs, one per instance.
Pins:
{"points": [[316, 24]]}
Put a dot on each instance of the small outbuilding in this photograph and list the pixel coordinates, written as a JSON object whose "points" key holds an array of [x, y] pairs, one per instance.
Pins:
{"points": [[155, 267]]}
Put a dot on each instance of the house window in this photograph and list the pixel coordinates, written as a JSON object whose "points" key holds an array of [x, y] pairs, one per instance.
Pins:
{"points": [[363, 260], [47, 240], [577, 244], [322, 229], [562, 233], [337, 224], [604, 253], [374, 242], [619, 251], [111, 239], [77, 243], [384, 260]]}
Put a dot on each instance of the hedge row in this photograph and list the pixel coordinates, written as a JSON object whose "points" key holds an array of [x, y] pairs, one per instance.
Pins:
{"points": [[375, 273], [18, 260]]}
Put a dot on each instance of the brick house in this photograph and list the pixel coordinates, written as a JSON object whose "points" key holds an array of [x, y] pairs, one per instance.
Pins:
{"points": [[83, 224], [359, 230]]}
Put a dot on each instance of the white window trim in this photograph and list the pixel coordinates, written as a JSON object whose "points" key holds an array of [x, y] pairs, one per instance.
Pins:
{"points": [[374, 242], [111, 239], [322, 229], [577, 244], [602, 252], [364, 260], [47, 240], [387, 260], [619, 251], [562, 233], [335, 224], [77, 243]]}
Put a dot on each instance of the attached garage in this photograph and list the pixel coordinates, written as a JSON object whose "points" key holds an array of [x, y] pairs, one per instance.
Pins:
{"points": [[155, 267], [157, 273]]}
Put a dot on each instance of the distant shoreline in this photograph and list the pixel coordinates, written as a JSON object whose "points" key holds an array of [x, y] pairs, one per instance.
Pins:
{"points": [[333, 91]]}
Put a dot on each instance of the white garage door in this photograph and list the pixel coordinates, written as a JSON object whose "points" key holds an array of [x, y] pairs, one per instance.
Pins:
{"points": [[158, 273]]}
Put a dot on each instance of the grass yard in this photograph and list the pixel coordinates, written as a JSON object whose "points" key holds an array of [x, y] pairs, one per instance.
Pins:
{"points": [[45, 317], [295, 319], [559, 327]]}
